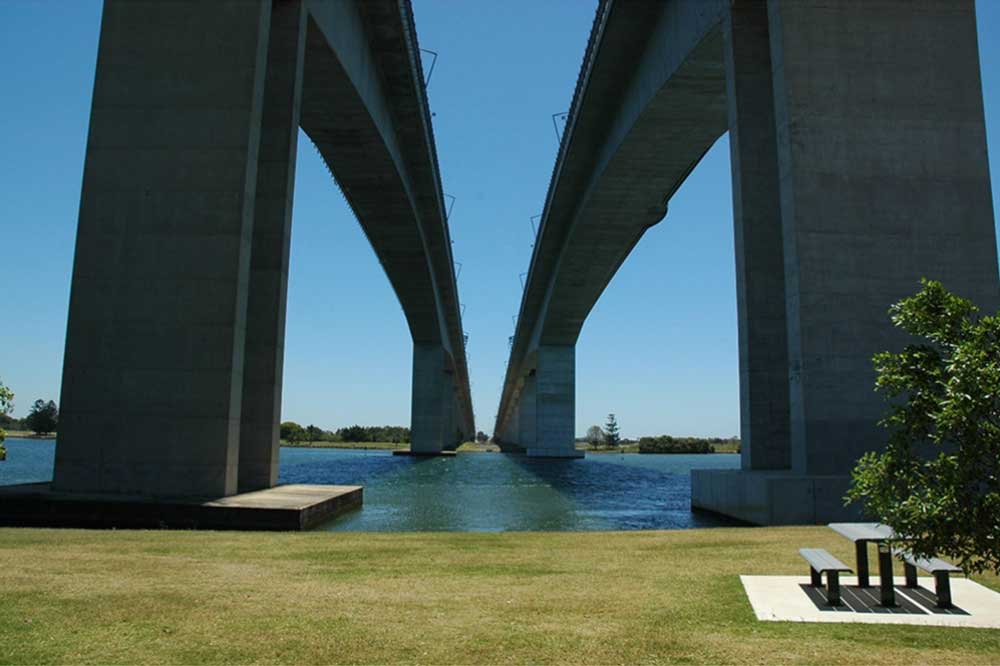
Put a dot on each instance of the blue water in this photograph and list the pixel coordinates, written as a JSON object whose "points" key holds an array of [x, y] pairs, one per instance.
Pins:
{"points": [[476, 491]]}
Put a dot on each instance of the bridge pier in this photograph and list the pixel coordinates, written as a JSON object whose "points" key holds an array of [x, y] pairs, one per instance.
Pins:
{"points": [[555, 403], [882, 179], [432, 415], [153, 371], [527, 417], [272, 230]]}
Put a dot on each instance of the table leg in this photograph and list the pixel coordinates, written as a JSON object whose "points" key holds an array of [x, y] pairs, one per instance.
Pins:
{"points": [[861, 551], [885, 575]]}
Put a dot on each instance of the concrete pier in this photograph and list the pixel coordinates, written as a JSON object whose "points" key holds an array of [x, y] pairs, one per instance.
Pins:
{"points": [[153, 374], [555, 404], [284, 508], [430, 418], [272, 231], [882, 180]]}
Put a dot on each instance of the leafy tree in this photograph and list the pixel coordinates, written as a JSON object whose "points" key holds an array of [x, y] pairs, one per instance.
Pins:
{"points": [[292, 432], [481, 436], [314, 434], [595, 436], [937, 483], [354, 433], [44, 417], [611, 438], [6, 405]]}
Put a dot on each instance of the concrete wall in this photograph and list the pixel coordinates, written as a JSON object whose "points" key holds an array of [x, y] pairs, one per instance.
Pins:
{"points": [[265, 328], [883, 180], [153, 373], [760, 283], [430, 418], [527, 419], [555, 404]]}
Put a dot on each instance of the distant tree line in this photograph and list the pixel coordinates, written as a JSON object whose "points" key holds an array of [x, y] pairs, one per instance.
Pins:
{"points": [[41, 420], [293, 433], [669, 444]]}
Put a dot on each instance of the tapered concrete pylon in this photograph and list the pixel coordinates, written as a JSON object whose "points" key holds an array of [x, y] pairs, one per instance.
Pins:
{"points": [[272, 231], [153, 371]]}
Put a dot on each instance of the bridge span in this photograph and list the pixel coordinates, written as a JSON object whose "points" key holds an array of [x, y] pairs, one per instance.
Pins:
{"points": [[173, 369], [858, 154]]}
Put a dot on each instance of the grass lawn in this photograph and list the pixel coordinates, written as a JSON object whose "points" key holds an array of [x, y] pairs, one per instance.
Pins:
{"points": [[648, 597]]}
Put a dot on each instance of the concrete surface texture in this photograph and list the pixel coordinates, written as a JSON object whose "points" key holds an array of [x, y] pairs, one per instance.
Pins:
{"points": [[288, 507], [172, 375], [792, 599], [859, 166]]}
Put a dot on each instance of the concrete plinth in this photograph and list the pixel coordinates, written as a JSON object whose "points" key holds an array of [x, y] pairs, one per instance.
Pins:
{"points": [[423, 454], [282, 508], [772, 497]]}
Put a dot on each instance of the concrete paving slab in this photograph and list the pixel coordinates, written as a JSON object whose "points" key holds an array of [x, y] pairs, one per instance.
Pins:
{"points": [[283, 508], [422, 454], [792, 599]]}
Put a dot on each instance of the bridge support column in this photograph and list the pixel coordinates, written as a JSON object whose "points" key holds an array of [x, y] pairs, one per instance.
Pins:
{"points": [[153, 371], [430, 418], [268, 291], [528, 413], [555, 403], [882, 179], [760, 279]]}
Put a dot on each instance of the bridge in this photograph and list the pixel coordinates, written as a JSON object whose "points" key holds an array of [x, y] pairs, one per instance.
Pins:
{"points": [[173, 368], [858, 153]]}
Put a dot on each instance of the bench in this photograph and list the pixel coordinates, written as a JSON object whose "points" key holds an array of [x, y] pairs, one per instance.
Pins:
{"points": [[822, 562], [932, 565]]}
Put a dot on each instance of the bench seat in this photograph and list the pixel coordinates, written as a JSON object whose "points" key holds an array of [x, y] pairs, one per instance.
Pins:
{"points": [[939, 568], [821, 562]]}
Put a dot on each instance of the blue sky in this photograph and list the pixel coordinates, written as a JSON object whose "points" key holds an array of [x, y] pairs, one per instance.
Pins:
{"points": [[660, 348]]}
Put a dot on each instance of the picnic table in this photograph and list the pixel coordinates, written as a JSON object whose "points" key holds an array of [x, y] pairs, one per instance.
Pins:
{"points": [[862, 534]]}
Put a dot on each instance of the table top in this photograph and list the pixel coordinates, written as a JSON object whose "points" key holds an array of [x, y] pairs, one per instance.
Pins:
{"points": [[863, 531]]}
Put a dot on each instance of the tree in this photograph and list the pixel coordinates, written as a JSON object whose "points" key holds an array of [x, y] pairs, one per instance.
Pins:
{"points": [[937, 483], [481, 436], [6, 405], [43, 418], [292, 432], [611, 437], [595, 436], [313, 433]]}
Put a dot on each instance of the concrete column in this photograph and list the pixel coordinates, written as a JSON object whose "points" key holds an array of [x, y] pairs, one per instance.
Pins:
{"points": [[883, 180], [760, 283], [153, 371], [555, 403], [528, 413], [431, 396], [265, 331]]}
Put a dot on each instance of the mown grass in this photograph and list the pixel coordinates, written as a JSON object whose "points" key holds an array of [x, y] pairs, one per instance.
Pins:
{"points": [[70, 596]]}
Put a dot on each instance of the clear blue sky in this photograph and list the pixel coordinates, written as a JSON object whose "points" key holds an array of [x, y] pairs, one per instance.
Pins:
{"points": [[659, 349]]}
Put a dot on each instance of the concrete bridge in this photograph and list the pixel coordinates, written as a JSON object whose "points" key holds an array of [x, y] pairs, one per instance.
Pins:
{"points": [[859, 166], [173, 367]]}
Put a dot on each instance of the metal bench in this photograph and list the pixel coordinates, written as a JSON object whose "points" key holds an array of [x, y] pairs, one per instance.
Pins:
{"points": [[822, 562], [938, 568]]}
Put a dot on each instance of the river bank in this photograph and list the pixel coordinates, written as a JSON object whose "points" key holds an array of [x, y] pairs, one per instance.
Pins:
{"points": [[602, 597]]}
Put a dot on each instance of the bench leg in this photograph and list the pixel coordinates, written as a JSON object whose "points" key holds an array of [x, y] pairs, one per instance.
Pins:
{"points": [[861, 554], [910, 572], [885, 576], [942, 587], [833, 588], [816, 580]]}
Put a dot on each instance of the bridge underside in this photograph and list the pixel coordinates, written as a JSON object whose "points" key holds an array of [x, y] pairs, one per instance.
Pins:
{"points": [[173, 366], [859, 166]]}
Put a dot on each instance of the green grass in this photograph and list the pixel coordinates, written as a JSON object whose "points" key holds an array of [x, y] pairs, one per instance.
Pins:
{"points": [[71, 596]]}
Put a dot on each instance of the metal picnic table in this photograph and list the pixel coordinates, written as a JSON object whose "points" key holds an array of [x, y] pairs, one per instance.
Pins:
{"points": [[862, 534]]}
